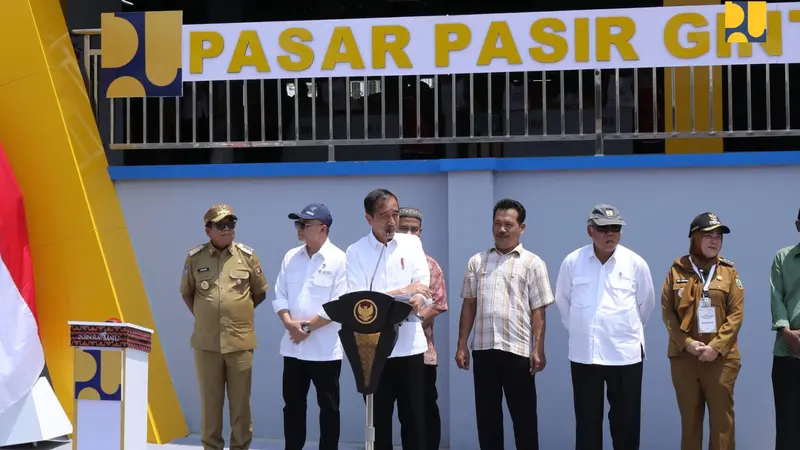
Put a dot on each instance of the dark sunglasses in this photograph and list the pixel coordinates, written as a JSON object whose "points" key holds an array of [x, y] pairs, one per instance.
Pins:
{"points": [[609, 228], [222, 225], [302, 225]]}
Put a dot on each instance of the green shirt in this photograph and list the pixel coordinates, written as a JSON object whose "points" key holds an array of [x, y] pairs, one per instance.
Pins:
{"points": [[784, 286]]}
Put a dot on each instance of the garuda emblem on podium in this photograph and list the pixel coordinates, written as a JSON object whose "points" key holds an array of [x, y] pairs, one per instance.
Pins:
{"points": [[365, 311]]}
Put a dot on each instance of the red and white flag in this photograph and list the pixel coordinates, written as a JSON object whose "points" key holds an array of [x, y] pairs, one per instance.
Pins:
{"points": [[21, 353]]}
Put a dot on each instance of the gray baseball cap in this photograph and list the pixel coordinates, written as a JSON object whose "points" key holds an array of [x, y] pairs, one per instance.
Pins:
{"points": [[603, 214]]}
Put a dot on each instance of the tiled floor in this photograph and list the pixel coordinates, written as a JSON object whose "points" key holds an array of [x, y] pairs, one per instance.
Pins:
{"points": [[187, 443]]}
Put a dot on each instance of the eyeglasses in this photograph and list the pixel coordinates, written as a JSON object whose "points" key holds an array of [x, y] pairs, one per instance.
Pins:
{"points": [[303, 225], [609, 228], [222, 225]]}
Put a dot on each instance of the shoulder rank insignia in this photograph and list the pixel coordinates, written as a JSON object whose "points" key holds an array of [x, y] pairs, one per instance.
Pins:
{"points": [[727, 262], [195, 250], [245, 248]]}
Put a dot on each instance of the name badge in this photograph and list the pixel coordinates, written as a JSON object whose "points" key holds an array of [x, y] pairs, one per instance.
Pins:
{"points": [[706, 317]]}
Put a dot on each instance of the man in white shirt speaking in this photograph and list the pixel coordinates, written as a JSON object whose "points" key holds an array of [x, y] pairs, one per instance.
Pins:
{"points": [[310, 276], [395, 264], [605, 295]]}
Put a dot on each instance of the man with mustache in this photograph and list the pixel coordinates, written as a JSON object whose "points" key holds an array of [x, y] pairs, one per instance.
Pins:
{"points": [[784, 283], [395, 264], [506, 290], [605, 295], [222, 283]]}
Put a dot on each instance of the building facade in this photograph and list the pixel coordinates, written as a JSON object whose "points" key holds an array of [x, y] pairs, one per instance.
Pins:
{"points": [[657, 195]]}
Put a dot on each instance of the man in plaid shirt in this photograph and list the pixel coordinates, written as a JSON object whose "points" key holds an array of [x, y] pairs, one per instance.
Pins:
{"points": [[411, 223], [506, 290]]}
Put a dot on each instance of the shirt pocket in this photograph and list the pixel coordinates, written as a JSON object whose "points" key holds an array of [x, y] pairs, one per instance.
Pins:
{"points": [[719, 293], [623, 289], [622, 283], [521, 296], [239, 279], [501, 276], [321, 284], [204, 282], [580, 292], [293, 285], [677, 293]]}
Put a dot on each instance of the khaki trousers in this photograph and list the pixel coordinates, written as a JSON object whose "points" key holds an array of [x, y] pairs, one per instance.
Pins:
{"points": [[700, 384], [217, 372]]}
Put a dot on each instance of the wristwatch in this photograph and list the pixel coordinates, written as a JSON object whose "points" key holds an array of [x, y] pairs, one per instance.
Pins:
{"points": [[305, 327]]}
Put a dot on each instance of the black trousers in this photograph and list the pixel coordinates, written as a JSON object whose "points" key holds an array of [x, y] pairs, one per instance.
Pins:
{"points": [[402, 381], [297, 378], [496, 373], [433, 422], [624, 391], [786, 388]]}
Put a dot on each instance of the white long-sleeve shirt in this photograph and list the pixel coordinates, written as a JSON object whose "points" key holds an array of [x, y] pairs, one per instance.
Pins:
{"points": [[605, 307], [402, 262], [305, 284]]}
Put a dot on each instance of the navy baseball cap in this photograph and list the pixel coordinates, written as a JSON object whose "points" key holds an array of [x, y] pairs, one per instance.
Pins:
{"points": [[314, 211]]}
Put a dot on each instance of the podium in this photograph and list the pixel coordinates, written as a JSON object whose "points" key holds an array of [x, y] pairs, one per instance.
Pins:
{"points": [[111, 360], [370, 322]]}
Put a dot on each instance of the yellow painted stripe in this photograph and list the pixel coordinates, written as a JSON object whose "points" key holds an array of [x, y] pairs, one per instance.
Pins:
{"points": [[83, 259], [701, 101]]}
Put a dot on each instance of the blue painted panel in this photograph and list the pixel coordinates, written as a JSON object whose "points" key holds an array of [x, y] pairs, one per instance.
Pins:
{"points": [[350, 168]]}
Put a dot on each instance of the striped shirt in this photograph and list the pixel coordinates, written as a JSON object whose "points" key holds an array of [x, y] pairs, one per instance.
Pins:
{"points": [[507, 288]]}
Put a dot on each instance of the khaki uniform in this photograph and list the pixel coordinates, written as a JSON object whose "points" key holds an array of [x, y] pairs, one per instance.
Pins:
{"points": [[697, 383], [223, 284]]}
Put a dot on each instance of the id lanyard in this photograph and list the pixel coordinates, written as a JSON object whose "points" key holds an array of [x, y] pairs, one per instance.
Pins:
{"points": [[706, 282]]}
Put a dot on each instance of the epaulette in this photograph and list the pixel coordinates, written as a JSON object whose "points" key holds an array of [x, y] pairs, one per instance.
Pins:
{"points": [[727, 262], [195, 250], [244, 248]]}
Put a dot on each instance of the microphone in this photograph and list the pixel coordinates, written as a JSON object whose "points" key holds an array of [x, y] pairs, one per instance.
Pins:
{"points": [[377, 264]]}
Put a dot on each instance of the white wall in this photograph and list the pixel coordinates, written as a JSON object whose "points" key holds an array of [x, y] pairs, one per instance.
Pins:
{"points": [[758, 203]]}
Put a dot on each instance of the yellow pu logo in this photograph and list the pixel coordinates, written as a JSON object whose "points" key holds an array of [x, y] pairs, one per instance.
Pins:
{"points": [[98, 374], [140, 54], [745, 22]]}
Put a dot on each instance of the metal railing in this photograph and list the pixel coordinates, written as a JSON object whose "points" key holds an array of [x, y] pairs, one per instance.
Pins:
{"points": [[600, 106]]}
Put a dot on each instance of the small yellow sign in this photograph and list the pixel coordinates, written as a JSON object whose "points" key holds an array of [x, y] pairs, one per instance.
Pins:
{"points": [[141, 54], [745, 22]]}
